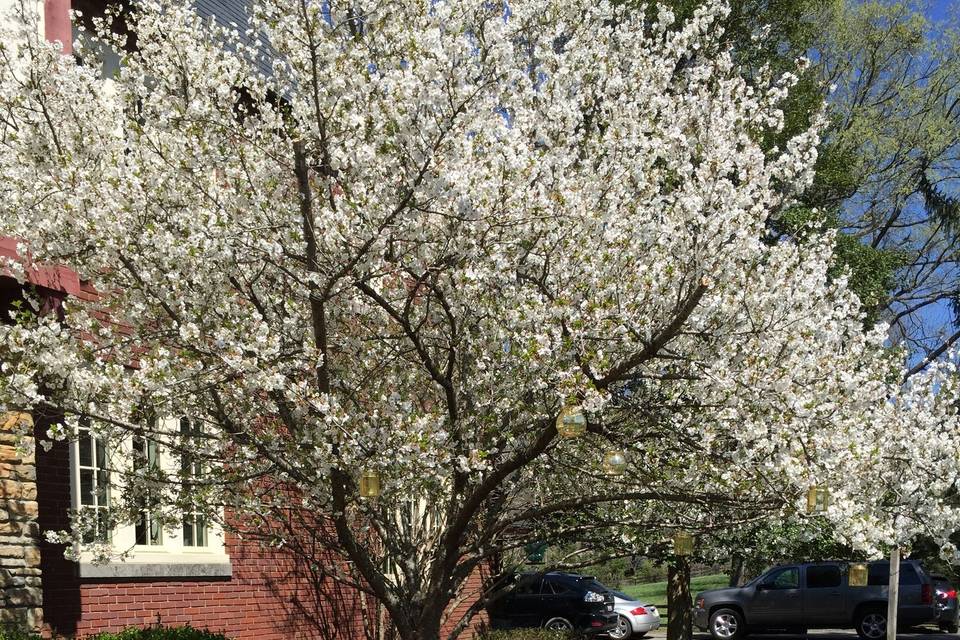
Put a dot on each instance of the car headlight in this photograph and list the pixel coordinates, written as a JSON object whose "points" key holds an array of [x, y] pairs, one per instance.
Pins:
{"points": [[592, 596]]}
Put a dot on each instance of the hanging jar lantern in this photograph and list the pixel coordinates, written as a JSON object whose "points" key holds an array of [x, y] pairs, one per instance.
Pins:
{"points": [[818, 498], [614, 462], [369, 484], [857, 575], [682, 543], [571, 423]]}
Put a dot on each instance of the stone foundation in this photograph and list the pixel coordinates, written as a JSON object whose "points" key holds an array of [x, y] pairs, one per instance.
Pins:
{"points": [[22, 597]]}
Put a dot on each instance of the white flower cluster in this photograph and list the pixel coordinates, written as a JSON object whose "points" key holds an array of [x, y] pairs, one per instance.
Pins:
{"points": [[432, 225]]}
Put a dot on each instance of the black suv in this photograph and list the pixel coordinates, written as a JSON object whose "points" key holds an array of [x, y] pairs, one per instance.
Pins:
{"points": [[816, 596], [560, 601]]}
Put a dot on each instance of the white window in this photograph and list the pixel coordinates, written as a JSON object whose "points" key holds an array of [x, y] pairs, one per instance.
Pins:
{"points": [[92, 483], [191, 468], [195, 549]]}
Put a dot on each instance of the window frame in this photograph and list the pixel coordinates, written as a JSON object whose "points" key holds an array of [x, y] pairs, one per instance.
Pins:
{"points": [[171, 558]]}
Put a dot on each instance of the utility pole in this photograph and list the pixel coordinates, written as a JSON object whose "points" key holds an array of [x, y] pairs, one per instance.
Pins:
{"points": [[893, 593]]}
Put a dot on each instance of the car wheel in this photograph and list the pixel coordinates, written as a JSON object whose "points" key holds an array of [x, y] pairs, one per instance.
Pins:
{"points": [[622, 630], [950, 627], [558, 624], [872, 624], [727, 624]]}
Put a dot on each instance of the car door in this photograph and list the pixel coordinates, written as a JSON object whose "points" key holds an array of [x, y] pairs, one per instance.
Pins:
{"points": [[558, 601], [824, 604], [519, 606], [777, 601], [527, 606]]}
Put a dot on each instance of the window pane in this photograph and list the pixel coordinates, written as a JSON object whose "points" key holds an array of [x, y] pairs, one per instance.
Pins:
{"points": [[528, 585], [141, 529], [188, 540], [156, 533], [86, 487], [103, 487], [101, 454], [785, 579], [879, 574], [823, 577], [201, 532], [103, 525], [908, 575], [86, 455]]}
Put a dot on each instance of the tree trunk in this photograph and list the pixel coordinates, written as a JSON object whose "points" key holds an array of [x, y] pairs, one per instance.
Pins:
{"points": [[430, 631], [736, 570], [679, 603]]}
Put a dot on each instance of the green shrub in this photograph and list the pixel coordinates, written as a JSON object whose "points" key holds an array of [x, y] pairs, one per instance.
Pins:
{"points": [[13, 633], [531, 634], [158, 633]]}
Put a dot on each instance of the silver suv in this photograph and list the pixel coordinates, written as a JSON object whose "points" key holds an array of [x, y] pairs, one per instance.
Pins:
{"points": [[816, 595]]}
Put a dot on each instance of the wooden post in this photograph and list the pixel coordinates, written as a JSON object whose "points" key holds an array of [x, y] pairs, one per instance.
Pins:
{"points": [[679, 602], [893, 593]]}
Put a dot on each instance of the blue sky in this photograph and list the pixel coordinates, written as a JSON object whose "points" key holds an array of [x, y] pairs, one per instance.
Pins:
{"points": [[943, 9]]}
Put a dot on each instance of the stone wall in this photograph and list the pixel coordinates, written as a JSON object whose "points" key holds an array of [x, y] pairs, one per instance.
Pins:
{"points": [[21, 601]]}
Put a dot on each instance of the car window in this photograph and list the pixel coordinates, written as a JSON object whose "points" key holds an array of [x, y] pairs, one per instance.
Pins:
{"points": [[879, 575], [788, 578], [528, 585], [823, 577], [908, 574], [593, 585], [552, 587]]}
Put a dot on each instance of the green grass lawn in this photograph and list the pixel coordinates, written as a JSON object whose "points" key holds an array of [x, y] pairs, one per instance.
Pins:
{"points": [[656, 592]]}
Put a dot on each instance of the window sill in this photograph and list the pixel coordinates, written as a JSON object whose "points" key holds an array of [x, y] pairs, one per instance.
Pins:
{"points": [[164, 567]]}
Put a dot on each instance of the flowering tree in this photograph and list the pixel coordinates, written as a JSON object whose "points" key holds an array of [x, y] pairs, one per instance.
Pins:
{"points": [[407, 247]]}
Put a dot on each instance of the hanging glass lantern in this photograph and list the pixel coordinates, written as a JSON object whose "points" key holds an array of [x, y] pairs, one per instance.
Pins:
{"points": [[818, 498], [682, 543], [857, 575], [571, 423], [369, 484], [614, 463]]}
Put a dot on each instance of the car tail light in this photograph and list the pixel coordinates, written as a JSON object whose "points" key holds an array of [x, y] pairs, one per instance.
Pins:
{"points": [[596, 623], [952, 593], [926, 594], [639, 611]]}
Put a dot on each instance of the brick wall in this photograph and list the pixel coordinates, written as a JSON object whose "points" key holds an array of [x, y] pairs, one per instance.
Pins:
{"points": [[270, 596], [267, 597]]}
